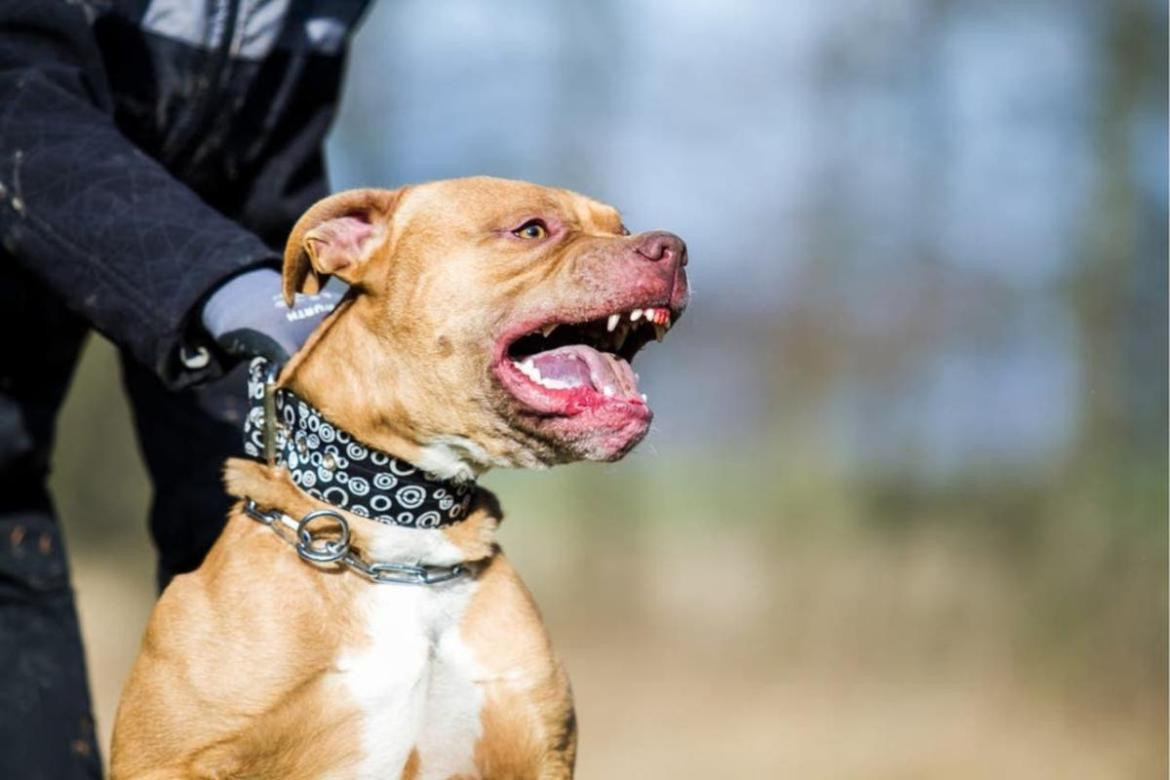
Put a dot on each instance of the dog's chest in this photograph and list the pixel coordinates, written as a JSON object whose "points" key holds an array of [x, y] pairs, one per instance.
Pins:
{"points": [[414, 682]]}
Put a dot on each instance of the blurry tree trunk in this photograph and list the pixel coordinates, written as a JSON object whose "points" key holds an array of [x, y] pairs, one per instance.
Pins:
{"points": [[1119, 295]]}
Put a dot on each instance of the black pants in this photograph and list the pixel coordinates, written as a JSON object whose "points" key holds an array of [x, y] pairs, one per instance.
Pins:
{"points": [[46, 728]]}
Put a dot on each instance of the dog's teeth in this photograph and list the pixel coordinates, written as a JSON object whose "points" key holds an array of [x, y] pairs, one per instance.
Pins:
{"points": [[645, 399], [529, 369], [659, 332], [613, 321], [547, 329], [635, 314], [619, 338], [608, 391]]}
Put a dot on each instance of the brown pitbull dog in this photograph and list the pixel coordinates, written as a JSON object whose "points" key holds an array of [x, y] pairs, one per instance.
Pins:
{"points": [[489, 323]]}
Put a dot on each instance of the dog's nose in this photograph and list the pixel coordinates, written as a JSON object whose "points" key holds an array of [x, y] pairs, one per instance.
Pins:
{"points": [[660, 246]]}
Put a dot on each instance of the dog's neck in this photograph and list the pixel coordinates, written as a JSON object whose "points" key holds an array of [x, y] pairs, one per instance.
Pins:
{"points": [[472, 539], [335, 466], [368, 387], [361, 395]]}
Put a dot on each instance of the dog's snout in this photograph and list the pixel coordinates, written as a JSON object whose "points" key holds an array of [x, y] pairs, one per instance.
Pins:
{"points": [[661, 246]]}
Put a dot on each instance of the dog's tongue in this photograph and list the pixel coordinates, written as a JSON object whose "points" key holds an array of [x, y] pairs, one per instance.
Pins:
{"points": [[578, 365]]}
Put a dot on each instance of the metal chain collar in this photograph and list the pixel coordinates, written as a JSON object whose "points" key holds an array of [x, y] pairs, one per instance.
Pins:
{"points": [[321, 550]]}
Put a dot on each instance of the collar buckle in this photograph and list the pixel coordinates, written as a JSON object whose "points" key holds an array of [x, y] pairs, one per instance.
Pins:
{"points": [[271, 372]]}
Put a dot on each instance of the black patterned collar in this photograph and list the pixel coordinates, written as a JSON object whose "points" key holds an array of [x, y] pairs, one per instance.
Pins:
{"points": [[329, 464]]}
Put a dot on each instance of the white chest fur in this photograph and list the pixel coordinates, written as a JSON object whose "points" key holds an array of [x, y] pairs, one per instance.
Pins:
{"points": [[415, 681]]}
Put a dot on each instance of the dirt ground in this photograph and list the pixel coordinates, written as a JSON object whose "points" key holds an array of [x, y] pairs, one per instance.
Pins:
{"points": [[685, 695]]}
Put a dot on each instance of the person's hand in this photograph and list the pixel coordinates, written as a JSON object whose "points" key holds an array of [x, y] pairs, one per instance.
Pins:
{"points": [[247, 315]]}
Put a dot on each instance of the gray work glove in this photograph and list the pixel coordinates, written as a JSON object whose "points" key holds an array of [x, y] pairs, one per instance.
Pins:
{"points": [[247, 315]]}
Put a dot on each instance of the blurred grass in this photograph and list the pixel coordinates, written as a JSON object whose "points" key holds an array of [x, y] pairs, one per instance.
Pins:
{"points": [[753, 614]]}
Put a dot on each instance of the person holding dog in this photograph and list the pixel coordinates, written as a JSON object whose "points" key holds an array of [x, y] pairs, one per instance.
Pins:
{"points": [[153, 154]]}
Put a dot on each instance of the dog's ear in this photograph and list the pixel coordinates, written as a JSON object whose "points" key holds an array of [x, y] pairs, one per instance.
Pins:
{"points": [[338, 235]]}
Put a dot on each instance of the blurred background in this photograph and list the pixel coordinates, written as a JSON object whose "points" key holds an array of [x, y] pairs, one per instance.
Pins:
{"points": [[903, 513]]}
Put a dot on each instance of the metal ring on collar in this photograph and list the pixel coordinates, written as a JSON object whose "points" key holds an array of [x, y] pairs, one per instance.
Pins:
{"points": [[320, 549]]}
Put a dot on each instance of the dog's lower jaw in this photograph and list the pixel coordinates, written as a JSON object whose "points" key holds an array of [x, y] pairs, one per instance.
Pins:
{"points": [[609, 441]]}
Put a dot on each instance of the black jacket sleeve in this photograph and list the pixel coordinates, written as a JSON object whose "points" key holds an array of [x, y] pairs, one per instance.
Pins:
{"points": [[107, 228]]}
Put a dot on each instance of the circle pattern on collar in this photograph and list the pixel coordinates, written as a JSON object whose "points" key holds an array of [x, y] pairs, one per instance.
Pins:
{"points": [[329, 464]]}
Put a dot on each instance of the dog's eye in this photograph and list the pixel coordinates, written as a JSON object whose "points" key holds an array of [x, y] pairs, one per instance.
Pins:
{"points": [[533, 229]]}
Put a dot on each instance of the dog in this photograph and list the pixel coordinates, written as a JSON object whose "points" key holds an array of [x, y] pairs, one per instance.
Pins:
{"points": [[330, 634]]}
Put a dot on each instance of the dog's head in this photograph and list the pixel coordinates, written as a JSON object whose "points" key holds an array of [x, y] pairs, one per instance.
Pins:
{"points": [[491, 322]]}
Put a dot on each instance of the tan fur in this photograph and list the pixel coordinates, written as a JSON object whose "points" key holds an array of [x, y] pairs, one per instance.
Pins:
{"points": [[266, 680], [236, 675], [410, 771], [529, 726]]}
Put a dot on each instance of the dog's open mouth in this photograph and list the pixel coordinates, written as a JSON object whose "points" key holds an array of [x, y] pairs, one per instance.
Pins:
{"points": [[566, 367]]}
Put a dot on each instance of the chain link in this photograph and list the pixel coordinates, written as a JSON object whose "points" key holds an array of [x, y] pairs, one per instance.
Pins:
{"points": [[320, 550]]}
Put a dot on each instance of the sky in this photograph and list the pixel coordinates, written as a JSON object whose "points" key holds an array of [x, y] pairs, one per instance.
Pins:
{"points": [[917, 175]]}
